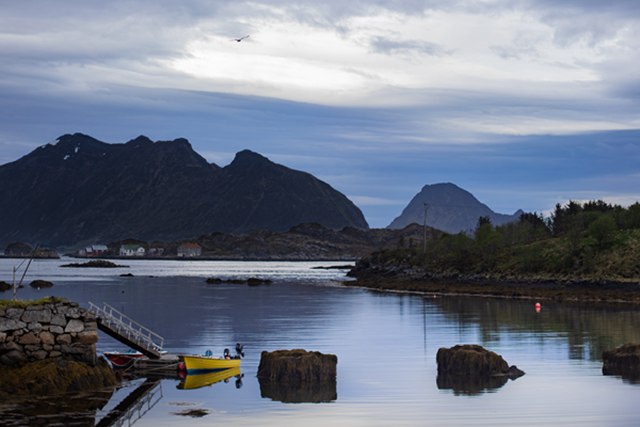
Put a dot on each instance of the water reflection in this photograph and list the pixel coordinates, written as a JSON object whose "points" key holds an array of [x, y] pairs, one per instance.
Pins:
{"points": [[587, 330], [470, 385], [134, 406], [299, 392], [193, 381], [64, 410]]}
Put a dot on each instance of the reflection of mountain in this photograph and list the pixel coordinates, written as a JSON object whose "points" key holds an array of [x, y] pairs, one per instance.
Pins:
{"points": [[588, 330]]}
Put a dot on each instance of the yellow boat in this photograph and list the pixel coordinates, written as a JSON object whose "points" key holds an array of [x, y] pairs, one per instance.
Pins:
{"points": [[194, 364], [191, 381]]}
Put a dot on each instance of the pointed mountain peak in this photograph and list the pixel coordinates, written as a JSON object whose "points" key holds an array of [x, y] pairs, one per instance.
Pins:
{"points": [[449, 208]]}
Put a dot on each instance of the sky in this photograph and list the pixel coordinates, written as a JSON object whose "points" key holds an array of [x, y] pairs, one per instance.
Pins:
{"points": [[523, 103]]}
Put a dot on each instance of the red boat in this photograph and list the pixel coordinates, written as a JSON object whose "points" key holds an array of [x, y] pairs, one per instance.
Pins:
{"points": [[121, 360]]}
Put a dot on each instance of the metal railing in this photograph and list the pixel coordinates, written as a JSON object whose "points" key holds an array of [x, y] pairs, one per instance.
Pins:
{"points": [[127, 327]]}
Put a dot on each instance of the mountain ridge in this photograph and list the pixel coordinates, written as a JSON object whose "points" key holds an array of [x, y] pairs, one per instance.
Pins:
{"points": [[80, 190]]}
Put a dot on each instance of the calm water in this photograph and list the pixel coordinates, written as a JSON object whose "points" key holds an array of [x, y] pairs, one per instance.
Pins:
{"points": [[385, 343]]}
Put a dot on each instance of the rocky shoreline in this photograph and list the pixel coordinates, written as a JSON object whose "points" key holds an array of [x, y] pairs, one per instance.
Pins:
{"points": [[592, 290], [48, 346]]}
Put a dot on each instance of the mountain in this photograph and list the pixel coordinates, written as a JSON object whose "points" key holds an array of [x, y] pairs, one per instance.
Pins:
{"points": [[79, 190], [449, 208]]}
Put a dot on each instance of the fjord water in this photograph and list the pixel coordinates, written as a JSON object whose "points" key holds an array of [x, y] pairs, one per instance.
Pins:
{"points": [[385, 344]]}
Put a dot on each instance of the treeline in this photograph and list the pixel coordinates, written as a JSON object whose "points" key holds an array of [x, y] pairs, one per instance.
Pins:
{"points": [[589, 239]]}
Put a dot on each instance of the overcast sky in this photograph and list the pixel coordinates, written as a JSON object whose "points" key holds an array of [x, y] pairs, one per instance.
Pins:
{"points": [[523, 103]]}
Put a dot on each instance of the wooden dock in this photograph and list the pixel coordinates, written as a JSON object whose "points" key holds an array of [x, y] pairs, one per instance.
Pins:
{"points": [[165, 366]]}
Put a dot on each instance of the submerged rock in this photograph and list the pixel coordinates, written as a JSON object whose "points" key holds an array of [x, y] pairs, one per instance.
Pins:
{"points": [[298, 376], [472, 368], [40, 284], [623, 361], [251, 281]]}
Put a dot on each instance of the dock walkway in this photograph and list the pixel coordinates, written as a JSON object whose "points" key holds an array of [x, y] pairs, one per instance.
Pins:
{"points": [[127, 331]]}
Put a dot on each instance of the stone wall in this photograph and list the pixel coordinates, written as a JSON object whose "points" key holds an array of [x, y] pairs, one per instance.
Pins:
{"points": [[47, 330]]}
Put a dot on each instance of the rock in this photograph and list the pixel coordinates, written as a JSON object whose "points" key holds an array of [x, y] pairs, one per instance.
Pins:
{"points": [[88, 337], [58, 320], [63, 339], [11, 324], [40, 284], [13, 358], [471, 368], [254, 281], [14, 312], [298, 376], [58, 330], [74, 325], [29, 339], [4, 286], [297, 365], [41, 315], [47, 338], [623, 361]]}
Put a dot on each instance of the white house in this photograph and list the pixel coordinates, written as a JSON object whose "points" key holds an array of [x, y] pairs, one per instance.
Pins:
{"points": [[132, 250]]}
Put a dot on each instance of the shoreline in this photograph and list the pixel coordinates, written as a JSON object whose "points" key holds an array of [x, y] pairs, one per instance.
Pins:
{"points": [[561, 290]]}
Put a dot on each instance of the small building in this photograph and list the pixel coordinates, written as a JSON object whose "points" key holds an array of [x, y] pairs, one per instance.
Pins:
{"points": [[132, 250], [189, 250], [93, 251], [155, 252]]}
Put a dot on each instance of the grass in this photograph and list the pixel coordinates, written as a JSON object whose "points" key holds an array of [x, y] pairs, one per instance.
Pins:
{"points": [[6, 303]]}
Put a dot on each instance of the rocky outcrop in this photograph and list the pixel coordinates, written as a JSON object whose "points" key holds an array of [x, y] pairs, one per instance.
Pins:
{"points": [[623, 361], [294, 376], [53, 328], [469, 369]]}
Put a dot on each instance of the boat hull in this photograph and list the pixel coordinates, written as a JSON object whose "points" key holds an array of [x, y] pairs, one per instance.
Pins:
{"points": [[122, 360], [196, 364], [192, 381]]}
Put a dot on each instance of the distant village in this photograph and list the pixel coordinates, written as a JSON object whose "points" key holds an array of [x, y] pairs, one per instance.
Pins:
{"points": [[112, 250]]}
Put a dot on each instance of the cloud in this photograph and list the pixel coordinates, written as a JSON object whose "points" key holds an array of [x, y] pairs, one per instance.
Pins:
{"points": [[377, 98]]}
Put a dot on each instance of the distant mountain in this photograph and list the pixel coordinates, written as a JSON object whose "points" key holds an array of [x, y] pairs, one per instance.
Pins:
{"points": [[450, 209], [80, 190]]}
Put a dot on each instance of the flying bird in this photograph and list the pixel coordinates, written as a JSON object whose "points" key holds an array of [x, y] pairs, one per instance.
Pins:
{"points": [[241, 38]]}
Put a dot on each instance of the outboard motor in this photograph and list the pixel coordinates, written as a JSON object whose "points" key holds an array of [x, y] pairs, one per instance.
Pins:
{"points": [[239, 350], [227, 353]]}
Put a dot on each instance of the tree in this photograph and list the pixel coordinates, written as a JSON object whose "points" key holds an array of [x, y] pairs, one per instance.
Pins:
{"points": [[603, 230]]}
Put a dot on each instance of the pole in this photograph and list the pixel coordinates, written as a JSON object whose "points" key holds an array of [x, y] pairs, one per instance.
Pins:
{"points": [[424, 227]]}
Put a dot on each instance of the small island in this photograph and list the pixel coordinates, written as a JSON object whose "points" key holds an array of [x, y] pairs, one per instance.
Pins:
{"points": [[251, 281], [98, 263]]}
